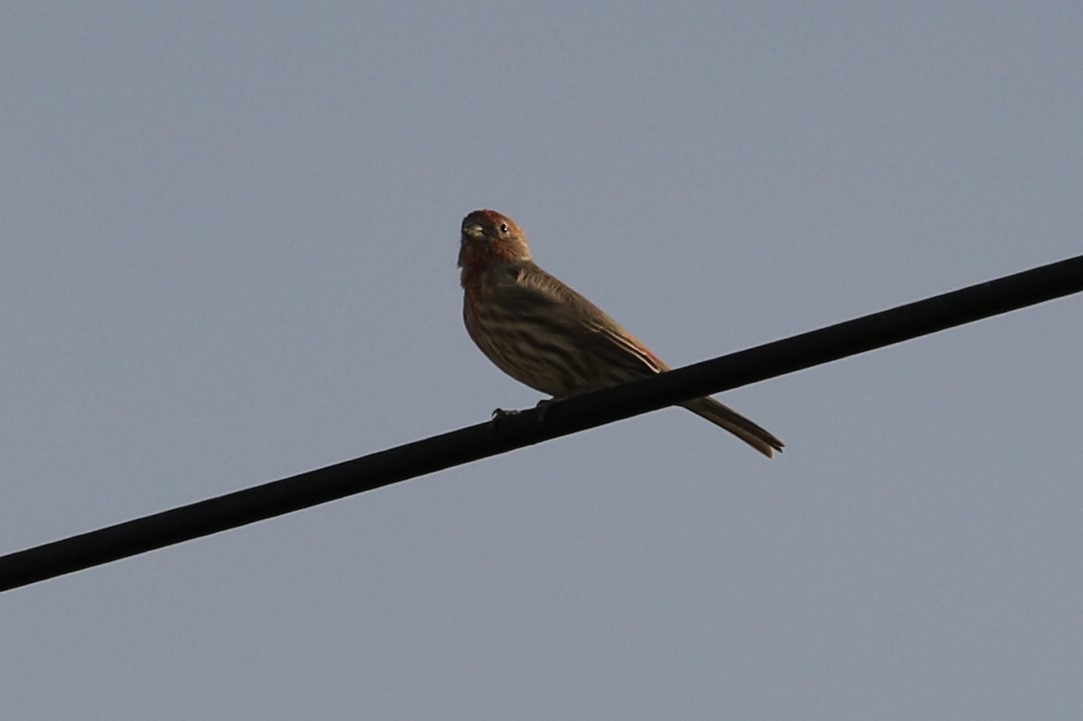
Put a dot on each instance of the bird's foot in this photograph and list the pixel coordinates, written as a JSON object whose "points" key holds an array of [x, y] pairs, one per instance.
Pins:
{"points": [[499, 414], [541, 406]]}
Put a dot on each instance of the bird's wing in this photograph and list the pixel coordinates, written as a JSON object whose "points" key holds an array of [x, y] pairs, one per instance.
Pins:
{"points": [[535, 291]]}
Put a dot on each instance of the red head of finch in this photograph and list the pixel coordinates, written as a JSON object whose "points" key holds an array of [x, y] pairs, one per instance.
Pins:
{"points": [[544, 334]]}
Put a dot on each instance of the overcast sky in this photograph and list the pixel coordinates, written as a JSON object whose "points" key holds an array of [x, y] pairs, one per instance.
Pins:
{"points": [[229, 235]]}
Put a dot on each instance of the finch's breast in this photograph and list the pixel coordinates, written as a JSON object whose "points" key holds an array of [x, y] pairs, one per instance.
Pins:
{"points": [[529, 347]]}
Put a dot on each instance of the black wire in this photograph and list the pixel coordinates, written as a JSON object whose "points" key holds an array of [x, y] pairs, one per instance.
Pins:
{"points": [[529, 427]]}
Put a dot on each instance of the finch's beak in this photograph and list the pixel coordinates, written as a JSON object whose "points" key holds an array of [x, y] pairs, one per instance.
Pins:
{"points": [[473, 229]]}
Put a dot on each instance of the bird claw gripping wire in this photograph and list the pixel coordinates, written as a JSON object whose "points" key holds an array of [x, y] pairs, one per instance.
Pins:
{"points": [[499, 414], [499, 419], [541, 406]]}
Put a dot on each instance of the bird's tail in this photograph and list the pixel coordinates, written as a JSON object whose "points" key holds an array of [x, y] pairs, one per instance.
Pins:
{"points": [[752, 434]]}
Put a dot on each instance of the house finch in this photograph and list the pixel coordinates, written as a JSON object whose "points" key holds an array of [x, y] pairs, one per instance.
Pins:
{"points": [[544, 334]]}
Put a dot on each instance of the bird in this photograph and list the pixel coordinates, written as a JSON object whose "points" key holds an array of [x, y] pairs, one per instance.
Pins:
{"points": [[544, 334]]}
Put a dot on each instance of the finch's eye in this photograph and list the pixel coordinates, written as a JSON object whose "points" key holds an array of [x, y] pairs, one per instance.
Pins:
{"points": [[504, 228]]}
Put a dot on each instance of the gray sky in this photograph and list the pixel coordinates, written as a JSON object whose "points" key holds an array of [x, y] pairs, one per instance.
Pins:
{"points": [[229, 256]]}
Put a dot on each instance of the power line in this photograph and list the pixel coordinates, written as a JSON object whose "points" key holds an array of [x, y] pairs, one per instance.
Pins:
{"points": [[558, 418]]}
